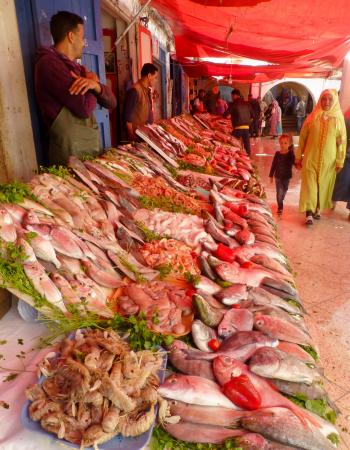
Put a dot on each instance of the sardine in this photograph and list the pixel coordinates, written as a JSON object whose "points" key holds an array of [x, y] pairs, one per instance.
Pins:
{"points": [[102, 277], [205, 267], [195, 391], [210, 316], [280, 285], [202, 334]]}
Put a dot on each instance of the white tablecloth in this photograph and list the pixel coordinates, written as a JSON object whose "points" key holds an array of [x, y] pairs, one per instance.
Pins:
{"points": [[13, 436]]}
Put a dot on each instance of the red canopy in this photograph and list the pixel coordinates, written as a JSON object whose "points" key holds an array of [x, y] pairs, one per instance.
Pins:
{"points": [[303, 37]]}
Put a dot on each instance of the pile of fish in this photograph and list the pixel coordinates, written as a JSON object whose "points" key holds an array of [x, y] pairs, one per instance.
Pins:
{"points": [[125, 233], [96, 388]]}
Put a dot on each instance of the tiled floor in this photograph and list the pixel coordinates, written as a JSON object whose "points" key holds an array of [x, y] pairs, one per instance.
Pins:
{"points": [[320, 260]]}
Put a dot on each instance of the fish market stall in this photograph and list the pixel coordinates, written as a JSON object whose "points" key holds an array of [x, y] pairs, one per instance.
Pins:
{"points": [[154, 255]]}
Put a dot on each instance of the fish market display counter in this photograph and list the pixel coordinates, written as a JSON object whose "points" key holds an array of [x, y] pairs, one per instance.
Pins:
{"points": [[166, 244]]}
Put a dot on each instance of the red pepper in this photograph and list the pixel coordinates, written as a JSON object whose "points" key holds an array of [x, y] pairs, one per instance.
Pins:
{"points": [[224, 253], [228, 224], [241, 391], [190, 292], [243, 209], [247, 265], [237, 306], [214, 344]]}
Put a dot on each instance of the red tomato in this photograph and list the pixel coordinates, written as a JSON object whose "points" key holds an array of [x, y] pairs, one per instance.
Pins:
{"points": [[214, 344]]}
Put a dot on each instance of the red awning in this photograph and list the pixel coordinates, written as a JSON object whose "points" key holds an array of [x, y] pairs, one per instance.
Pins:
{"points": [[303, 37]]}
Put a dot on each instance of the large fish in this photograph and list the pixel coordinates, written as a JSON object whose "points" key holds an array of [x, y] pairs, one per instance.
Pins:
{"points": [[264, 298], [217, 234], [206, 415], [196, 367], [272, 363], [235, 320], [281, 329], [206, 286], [225, 367], [283, 426], [8, 231], [241, 346], [207, 434], [194, 390], [42, 283]]}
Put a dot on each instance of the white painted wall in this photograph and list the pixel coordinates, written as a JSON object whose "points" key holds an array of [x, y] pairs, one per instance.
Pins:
{"points": [[314, 85], [345, 87]]}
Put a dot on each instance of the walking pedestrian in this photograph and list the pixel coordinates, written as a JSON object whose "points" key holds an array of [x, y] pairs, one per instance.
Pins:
{"points": [[281, 169], [320, 155], [301, 112]]}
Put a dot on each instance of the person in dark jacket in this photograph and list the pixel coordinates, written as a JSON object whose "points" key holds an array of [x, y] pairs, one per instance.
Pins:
{"points": [[211, 99], [241, 118], [67, 92], [255, 112], [281, 169], [138, 101]]}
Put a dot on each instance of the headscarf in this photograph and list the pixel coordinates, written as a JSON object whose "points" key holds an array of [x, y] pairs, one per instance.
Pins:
{"points": [[334, 111]]}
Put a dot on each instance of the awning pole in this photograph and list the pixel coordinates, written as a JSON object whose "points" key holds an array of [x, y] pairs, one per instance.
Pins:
{"points": [[131, 23]]}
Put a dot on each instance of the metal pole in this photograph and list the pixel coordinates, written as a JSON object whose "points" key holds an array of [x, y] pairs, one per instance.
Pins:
{"points": [[131, 23]]}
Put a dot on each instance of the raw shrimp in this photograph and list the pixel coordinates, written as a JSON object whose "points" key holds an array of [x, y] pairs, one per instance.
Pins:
{"points": [[138, 421]]}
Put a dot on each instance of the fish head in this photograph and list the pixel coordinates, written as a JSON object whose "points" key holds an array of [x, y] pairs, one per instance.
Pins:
{"points": [[253, 441], [266, 360], [31, 218], [5, 217], [173, 383], [260, 321], [59, 280], [202, 331], [34, 270], [177, 345], [225, 367]]}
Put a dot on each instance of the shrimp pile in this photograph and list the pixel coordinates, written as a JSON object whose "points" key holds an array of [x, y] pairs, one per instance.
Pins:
{"points": [[158, 187], [173, 253], [97, 388]]}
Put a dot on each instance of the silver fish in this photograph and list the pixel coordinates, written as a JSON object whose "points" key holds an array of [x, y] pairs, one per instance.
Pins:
{"points": [[233, 294], [235, 320], [202, 334]]}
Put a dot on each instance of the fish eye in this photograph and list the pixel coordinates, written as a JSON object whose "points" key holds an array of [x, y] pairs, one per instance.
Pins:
{"points": [[173, 381]]}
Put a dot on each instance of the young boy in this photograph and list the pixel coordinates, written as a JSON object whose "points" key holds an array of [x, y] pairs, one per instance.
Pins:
{"points": [[281, 169]]}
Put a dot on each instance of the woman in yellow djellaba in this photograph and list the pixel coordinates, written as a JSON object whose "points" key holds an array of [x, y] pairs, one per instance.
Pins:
{"points": [[320, 155]]}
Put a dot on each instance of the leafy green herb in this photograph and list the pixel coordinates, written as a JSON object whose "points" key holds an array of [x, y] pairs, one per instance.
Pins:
{"points": [[123, 176], [186, 166], [164, 270], [164, 203], [311, 351], [223, 283], [15, 192], [12, 275], [140, 336], [10, 377], [161, 440], [149, 235], [30, 236], [129, 266], [192, 279], [59, 171], [334, 438], [155, 318], [87, 157], [171, 170], [319, 406]]}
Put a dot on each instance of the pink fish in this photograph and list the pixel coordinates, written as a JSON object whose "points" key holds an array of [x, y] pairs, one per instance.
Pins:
{"points": [[226, 367], [92, 295], [70, 296], [194, 432], [235, 320], [102, 277], [7, 228], [42, 283], [281, 329]]}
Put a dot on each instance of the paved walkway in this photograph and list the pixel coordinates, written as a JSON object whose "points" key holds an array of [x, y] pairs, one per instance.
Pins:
{"points": [[320, 260]]}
